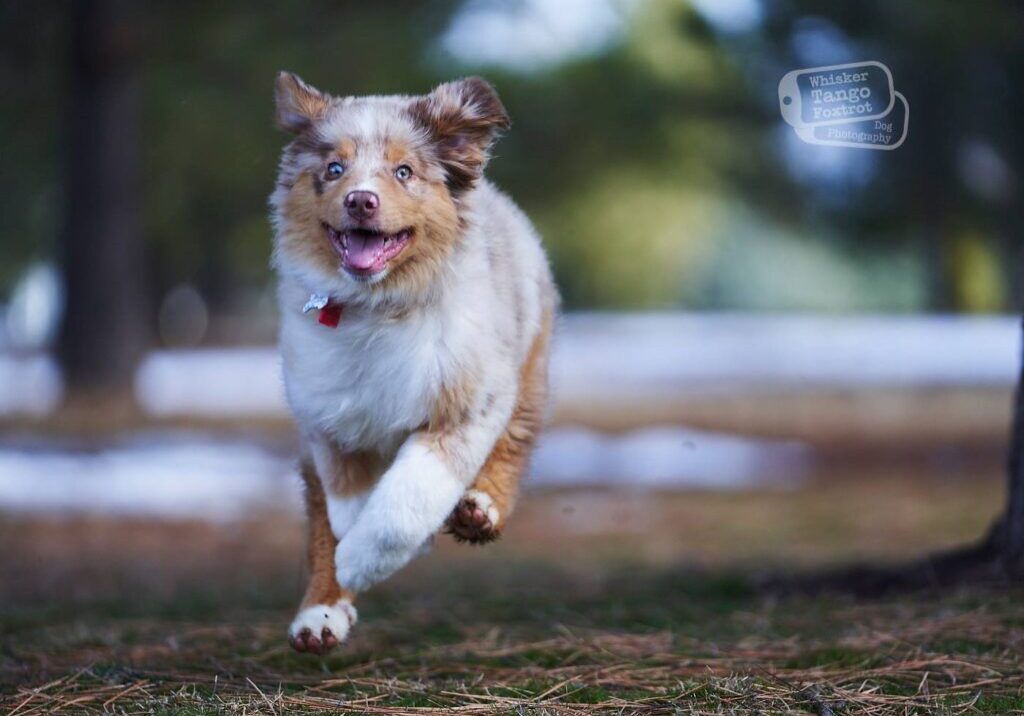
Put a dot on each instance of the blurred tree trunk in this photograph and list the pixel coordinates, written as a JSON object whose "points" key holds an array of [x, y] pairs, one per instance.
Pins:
{"points": [[933, 205], [998, 557], [1006, 539], [104, 329]]}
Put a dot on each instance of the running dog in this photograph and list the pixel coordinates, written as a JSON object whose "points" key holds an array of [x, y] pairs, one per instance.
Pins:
{"points": [[416, 308]]}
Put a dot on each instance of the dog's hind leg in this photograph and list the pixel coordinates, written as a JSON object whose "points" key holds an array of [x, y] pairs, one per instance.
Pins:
{"points": [[481, 513], [326, 613]]}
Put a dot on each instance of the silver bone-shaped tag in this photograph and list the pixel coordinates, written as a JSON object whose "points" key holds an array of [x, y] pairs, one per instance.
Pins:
{"points": [[316, 302]]}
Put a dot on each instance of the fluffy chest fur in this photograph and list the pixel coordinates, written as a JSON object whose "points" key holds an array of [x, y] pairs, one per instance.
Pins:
{"points": [[368, 382]]}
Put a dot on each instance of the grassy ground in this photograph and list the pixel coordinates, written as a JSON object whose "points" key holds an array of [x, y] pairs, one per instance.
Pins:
{"points": [[592, 603]]}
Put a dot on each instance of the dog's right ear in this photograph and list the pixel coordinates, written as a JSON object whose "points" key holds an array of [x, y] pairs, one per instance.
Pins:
{"points": [[299, 105]]}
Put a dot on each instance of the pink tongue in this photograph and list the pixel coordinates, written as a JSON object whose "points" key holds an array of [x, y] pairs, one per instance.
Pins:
{"points": [[363, 250]]}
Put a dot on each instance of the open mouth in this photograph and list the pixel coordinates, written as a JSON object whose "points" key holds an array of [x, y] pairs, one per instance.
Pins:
{"points": [[366, 252]]}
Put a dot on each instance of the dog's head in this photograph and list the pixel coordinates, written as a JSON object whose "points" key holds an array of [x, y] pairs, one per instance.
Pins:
{"points": [[370, 192]]}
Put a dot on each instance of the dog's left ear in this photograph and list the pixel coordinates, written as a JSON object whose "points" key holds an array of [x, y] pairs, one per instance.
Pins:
{"points": [[464, 117]]}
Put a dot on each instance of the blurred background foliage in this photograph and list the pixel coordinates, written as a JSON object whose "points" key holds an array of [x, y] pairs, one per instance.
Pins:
{"points": [[646, 143]]}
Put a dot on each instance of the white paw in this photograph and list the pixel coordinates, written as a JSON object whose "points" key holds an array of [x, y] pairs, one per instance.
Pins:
{"points": [[321, 627], [485, 503]]}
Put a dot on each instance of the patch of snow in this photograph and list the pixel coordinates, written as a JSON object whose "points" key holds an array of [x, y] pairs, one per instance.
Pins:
{"points": [[163, 476], [194, 476], [607, 355], [665, 457], [29, 385], [212, 383]]}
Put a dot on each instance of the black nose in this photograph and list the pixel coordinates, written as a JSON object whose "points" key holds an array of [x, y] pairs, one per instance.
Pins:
{"points": [[362, 204]]}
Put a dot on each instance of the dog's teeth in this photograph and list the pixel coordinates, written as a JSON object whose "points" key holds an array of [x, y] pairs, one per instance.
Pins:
{"points": [[387, 243]]}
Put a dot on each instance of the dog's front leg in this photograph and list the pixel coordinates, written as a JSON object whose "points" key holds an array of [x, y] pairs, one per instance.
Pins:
{"points": [[337, 486], [326, 613], [416, 495]]}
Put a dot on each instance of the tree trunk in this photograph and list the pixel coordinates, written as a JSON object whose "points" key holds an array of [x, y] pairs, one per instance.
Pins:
{"points": [[104, 328], [997, 558], [1007, 536]]}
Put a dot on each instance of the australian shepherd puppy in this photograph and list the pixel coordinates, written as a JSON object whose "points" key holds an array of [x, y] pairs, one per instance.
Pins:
{"points": [[416, 309]]}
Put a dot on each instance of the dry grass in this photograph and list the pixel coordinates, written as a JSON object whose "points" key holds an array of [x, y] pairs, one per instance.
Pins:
{"points": [[565, 616]]}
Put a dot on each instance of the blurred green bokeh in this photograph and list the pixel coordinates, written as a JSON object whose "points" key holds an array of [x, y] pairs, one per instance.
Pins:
{"points": [[654, 160]]}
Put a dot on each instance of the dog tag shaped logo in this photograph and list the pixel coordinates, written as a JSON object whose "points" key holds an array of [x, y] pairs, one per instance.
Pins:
{"points": [[851, 105], [836, 94]]}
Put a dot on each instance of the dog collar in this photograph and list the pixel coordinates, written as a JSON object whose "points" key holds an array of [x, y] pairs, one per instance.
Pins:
{"points": [[330, 312]]}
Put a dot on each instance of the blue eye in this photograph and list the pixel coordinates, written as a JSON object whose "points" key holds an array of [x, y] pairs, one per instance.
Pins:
{"points": [[403, 173], [335, 170]]}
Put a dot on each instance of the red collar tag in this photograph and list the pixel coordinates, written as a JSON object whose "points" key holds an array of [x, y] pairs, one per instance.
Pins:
{"points": [[330, 315]]}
